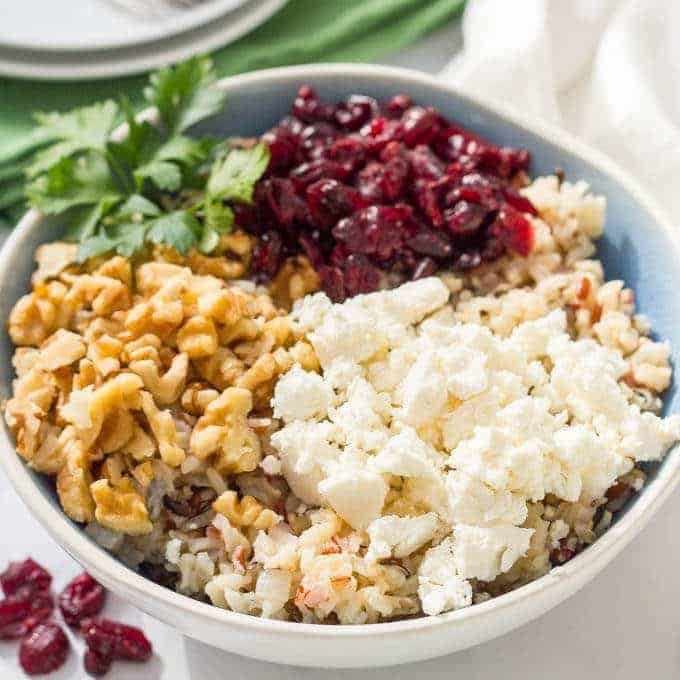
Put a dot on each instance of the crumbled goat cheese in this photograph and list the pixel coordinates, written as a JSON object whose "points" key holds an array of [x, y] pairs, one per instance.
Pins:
{"points": [[450, 429], [305, 447], [356, 494], [393, 536], [301, 395], [440, 587], [406, 455], [485, 552]]}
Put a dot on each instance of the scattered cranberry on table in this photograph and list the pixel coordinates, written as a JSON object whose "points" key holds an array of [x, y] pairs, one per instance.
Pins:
{"points": [[44, 648], [82, 598], [27, 601], [113, 640], [22, 575], [96, 664], [364, 191]]}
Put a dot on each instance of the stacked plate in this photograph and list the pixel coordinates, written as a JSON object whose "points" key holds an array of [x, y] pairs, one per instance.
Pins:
{"points": [[86, 39]]}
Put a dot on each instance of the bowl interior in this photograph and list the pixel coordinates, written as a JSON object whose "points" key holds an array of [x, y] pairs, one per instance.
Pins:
{"points": [[636, 247]]}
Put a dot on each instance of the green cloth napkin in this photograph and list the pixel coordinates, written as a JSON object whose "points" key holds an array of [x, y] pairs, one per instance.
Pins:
{"points": [[303, 31]]}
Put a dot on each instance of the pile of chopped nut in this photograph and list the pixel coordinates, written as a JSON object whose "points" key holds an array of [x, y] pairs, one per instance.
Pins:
{"points": [[118, 365]]}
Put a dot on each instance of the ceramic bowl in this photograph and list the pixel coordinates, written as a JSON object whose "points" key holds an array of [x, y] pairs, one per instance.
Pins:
{"points": [[640, 247]]}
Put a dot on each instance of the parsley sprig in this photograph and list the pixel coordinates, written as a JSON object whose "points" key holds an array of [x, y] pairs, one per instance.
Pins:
{"points": [[113, 193]]}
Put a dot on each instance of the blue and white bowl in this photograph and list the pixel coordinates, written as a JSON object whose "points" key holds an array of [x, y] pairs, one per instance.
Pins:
{"points": [[640, 246]]}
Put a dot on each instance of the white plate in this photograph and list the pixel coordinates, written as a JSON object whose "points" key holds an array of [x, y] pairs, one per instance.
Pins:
{"points": [[111, 63], [78, 25]]}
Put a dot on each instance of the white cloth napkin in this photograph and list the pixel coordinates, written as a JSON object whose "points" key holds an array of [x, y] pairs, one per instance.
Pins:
{"points": [[607, 70]]}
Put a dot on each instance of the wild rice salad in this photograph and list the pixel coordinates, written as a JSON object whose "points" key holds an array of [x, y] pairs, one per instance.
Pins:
{"points": [[358, 459]]}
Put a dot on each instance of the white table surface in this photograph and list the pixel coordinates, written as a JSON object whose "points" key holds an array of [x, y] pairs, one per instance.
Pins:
{"points": [[624, 625]]}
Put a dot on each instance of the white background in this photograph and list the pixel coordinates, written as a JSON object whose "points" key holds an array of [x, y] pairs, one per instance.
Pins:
{"points": [[624, 625]]}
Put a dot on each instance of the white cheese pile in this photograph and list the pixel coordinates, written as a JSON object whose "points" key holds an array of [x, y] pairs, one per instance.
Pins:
{"points": [[475, 426]]}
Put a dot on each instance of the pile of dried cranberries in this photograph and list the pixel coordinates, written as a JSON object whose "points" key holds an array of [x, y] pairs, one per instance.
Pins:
{"points": [[28, 604], [365, 190]]}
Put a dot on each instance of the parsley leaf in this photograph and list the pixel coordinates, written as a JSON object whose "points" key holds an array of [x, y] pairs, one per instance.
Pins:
{"points": [[125, 239], [72, 182], [233, 176], [136, 208], [184, 94], [218, 216], [179, 230], [109, 192], [83, 129]]}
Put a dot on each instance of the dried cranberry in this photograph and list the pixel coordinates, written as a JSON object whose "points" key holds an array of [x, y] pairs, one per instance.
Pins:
{"points": [[292, 125], [350, 152], [514, 230], [429, 197], [380, 132], [516, 159], [83, 597], [116, 640], [26, 574], [268, 255], [333, 282], [361, 190], [281, 199], [355, 112], [96, 664], [430, 243], [308, 108], [397, 105], [425, 164], [383, 182], [316, 138], [378, 230], [306, 173], [44, 649], [419, 126], [519, 202], [330, 200], [283, 146], [455, 143], [248, 216], [311, 249], [480, 195], [464, 218], [360, 276], [22, 611]]}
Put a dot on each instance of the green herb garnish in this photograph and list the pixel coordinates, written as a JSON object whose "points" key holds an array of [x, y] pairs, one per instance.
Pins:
{"points": [[156, 184]]}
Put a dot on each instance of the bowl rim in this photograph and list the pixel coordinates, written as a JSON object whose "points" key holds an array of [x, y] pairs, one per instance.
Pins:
{"points": [[104, 565]]}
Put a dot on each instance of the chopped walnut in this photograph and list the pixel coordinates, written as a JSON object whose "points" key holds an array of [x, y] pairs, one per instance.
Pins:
{"points": [[198, 337], [120, 508], [52, 259], [167, 388], [247, 512], [223, 431], [73, 483]]}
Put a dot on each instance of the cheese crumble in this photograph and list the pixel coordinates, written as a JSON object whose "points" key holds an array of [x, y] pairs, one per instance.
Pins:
{"points": [[489, 423]]}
